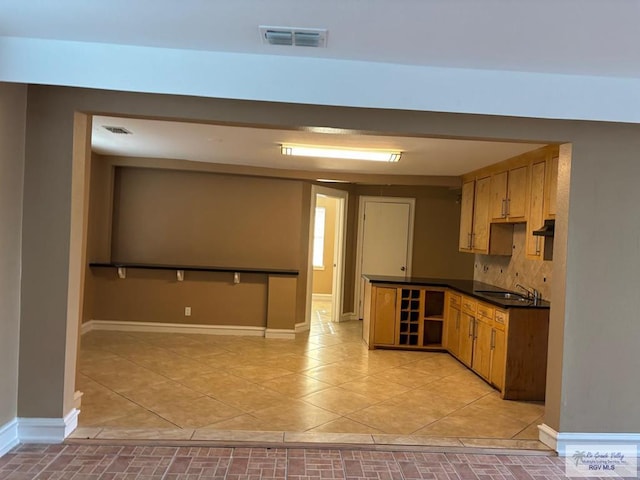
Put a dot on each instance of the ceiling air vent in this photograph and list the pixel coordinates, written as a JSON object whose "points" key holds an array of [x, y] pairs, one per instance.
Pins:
{"points": [[117, 130], [296, 37]]}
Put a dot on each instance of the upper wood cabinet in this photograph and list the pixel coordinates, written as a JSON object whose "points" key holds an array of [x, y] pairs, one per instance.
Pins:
{"points": [[466, 216], [509, 195], [520, 189], [535, 243], [551, 188], [480, 234], [476, 234]]}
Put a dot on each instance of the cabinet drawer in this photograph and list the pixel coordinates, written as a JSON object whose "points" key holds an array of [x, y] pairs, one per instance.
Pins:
{"points": [[454, 300], [469, 305], [486, 311], [501, 319]]}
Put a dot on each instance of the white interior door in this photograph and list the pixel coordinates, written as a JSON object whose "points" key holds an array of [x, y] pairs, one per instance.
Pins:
{"points": [[385, 242], [385, 239]]}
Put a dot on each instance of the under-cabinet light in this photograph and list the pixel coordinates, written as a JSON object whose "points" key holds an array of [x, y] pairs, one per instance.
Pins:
{"points": [[343, 153]]}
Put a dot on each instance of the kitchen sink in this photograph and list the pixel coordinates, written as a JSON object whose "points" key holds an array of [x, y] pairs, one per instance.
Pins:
{"points": [[504, 295]]}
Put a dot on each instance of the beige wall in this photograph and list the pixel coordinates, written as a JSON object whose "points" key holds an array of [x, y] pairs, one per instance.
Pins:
{"points": [[157, 296], [507, 271], [13, 108], [323, 278], [596, 360], [207, 219], [194, 218], [436, 226]]}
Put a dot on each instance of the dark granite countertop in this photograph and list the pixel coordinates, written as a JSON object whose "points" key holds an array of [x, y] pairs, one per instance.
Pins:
{"points": [[467, 287]]}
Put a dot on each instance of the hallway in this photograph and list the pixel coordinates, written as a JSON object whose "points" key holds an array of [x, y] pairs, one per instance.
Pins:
{"points": [[160, 385]]}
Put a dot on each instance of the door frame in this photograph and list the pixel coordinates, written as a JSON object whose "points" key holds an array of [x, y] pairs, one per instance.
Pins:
{"points": [[358, 282], [340, 240]]}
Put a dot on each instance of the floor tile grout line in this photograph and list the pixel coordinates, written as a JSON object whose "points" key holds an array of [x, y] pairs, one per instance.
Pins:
{"points": [[134, 402]]}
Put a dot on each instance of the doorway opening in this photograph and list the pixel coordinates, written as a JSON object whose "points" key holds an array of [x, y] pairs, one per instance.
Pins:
{"points": [[326, 254]]}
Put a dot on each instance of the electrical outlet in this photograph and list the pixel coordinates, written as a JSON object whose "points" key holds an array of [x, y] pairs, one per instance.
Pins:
{"points": [[187, 311]]}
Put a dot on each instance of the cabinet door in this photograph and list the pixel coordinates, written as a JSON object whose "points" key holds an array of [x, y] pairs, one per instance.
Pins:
{"points": [[498, 358], [480, 235], [453, 330], [498, 198], [551, 189], [384, 316], [465, 342], [517, 194], [466, 216], [536, 200], [482, 349]]}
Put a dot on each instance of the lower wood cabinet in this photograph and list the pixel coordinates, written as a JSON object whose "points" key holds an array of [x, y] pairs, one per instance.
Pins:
{"points": [[506, 347], [384, 310], [404, 317], [481, 362], [452, 323], [498, 358]]}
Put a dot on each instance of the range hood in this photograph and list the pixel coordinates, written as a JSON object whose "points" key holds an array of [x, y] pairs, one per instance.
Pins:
{"points": [[547, 229]]}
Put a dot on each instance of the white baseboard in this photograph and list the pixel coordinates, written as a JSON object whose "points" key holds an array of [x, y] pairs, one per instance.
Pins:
{"points": [[8, 436], [122, 326], [348, 316], [86, 327], [322, 296], [47, 430], [280, 333], [559, 440], [302, 327]]}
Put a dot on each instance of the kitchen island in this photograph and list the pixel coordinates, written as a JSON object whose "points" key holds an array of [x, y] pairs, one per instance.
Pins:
{"points": [[502, 338]]}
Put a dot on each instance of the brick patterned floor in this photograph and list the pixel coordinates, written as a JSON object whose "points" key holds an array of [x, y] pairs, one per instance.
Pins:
{"points": [[99, 462]]}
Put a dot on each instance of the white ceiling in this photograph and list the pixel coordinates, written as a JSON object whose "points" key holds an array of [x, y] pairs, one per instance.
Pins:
{"points": [[586, 37], [560, 59], [261, 147]]}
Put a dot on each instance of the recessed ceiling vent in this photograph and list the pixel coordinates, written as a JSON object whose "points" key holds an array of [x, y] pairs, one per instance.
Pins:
{"points": [[295, 37], [117, 130]]}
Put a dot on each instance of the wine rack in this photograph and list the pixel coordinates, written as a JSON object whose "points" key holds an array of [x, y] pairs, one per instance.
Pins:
{"points": [[410, 316], [420, 317]]}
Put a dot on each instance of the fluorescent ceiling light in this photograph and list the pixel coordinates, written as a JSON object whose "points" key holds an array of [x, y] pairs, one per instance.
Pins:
{"points": [[344, 153]]}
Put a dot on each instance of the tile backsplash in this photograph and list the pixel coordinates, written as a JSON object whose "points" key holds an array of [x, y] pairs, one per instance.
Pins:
{"points": [[505, 272]]}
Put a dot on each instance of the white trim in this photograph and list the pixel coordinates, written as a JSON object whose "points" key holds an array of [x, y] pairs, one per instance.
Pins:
{"points": [[321, 296], [559, 440], [8, 436], [302, 327], [86, 327], [337, 285], [47, 430], [548, 436], [280, 333], [359, 283], [154, 327], [349, 316]]}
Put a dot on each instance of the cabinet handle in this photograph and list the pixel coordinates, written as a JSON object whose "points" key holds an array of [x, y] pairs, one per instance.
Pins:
{"points": [[470, 234], [493, 339], [537, 245], [471, 322], [504, 208], [475, 329], [508, 209], [473, 236]]}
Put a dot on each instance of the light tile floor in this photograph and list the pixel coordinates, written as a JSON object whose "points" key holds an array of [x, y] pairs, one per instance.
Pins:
{"points": [[192, 386]]}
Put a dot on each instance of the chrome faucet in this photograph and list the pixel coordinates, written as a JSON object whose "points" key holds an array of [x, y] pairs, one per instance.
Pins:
{"points": [[532, 293]]}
